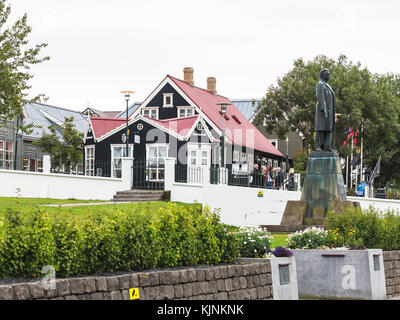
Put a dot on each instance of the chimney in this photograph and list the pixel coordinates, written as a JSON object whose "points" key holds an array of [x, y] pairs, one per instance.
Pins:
{"points": [[188, 75], [212, 85]]}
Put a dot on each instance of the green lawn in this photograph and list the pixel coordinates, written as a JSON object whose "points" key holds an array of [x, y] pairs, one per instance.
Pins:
{"points": [[27, 205], [279, 240]]}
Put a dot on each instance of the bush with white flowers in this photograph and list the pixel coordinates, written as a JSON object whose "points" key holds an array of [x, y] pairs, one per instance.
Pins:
{"points": [[310, 238], [255, 242]]}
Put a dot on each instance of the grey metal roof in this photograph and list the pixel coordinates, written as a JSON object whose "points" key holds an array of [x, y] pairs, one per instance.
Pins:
{"points": [[247, 107], [44, 115], [131, 109]]}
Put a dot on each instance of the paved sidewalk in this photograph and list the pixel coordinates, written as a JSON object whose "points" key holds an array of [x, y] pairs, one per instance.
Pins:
{"points": [[81, 204]]}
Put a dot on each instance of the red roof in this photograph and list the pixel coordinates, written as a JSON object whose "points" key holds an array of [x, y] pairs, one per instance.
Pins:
{"points": [[237, 126], [101, 126], [179, 125]]}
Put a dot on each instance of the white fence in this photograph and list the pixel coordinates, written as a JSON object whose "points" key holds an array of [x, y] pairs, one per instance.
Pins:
{"points": [[61, 186]]}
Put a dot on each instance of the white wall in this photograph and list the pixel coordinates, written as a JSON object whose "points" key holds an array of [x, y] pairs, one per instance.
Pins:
{"points": [[239, 205], [61, 186], [381, 204]]}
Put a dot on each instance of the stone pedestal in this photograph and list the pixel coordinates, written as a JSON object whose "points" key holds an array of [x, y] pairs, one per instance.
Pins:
{"points": [[323, 189]]}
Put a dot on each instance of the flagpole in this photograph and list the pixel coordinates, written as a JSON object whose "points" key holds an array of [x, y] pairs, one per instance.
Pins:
{"points": [[362, 144], [351, 160], [347, 172]]}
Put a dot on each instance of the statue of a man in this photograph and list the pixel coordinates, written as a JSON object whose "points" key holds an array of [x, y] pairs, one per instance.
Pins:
{"points": [[324, 113]]}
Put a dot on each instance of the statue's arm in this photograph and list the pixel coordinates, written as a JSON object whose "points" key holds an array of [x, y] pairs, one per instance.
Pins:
{"points": [[321, 99]]}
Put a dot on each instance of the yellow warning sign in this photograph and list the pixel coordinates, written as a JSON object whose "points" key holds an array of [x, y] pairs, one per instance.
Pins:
{"points": [[260, 194], [134, 294]]}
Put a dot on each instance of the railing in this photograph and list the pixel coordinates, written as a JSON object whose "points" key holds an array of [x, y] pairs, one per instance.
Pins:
{"points": [[219, 175], [148, 175], [188, 174]]}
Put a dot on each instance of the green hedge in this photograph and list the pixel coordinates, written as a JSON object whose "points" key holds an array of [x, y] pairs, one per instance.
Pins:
{"points": [[170, 236], [373, 228]]}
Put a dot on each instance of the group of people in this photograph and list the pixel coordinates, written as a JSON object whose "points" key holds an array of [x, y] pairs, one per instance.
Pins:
{"points": [[274, 178]]}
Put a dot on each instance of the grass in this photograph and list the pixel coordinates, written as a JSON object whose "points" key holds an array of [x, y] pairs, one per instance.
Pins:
{"points": [[26, 206], [279, 240]]}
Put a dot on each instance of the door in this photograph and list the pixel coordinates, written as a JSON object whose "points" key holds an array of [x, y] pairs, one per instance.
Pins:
{"points": [[32, 165], [199, 160]]}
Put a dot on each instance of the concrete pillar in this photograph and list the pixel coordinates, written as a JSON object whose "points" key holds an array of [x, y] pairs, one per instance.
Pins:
{"points": [[127, 173], [169, 174], [46, 163]]}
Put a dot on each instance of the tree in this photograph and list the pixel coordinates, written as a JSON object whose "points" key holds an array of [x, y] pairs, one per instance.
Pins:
{"points": [[369, 103], [16, 59], [63, 144]]}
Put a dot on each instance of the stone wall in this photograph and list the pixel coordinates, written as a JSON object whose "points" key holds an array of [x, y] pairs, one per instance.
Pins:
{"points": [[391, 260], [244, 281]]}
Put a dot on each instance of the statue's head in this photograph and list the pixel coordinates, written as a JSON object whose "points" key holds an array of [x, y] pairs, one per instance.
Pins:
{"points": [[324, 75]]}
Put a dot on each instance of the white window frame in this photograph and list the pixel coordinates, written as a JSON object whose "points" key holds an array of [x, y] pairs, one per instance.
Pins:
{"points": [[150, 109], [158, 170], [186, 111], [8, 164], [130, 154], [199, 148], [275, 141], [91, 168], [2, 153], [165, 96]]}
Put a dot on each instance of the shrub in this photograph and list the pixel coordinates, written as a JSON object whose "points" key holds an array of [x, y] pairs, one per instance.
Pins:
{"points": [[310, 238], [254, 242], [371, 227], [113, 241]]}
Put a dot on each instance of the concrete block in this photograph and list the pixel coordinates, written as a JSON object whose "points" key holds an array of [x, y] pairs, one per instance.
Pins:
{"points": [[21, 292], [134, 280], [64, 287], [124, 282], [354, 274], [178, 291], [101, 284], [200, 275], [36, 290], [175, 277], [284, 278], [77, 286], [112, 284]]}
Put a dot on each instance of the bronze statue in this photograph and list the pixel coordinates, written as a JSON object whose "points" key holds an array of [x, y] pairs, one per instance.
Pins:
{"points": [[324, 113]]}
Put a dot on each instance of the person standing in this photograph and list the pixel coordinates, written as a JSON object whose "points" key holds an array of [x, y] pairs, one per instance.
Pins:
{"points": [[279, 178]]}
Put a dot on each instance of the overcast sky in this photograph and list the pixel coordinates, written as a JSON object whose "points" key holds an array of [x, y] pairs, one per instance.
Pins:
{"points": [[99, 47]]}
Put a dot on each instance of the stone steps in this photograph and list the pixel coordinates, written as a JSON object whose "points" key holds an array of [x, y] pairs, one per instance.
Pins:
{"points": [[140, 196]]}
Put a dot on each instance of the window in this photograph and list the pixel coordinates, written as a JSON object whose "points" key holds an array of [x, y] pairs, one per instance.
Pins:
{"points": [[8, 159], [199, 155], [1, 154], [156, 164], [26, 164], [150, 113], [168, 100], [117, 153], [236, 156], [274, 142], [185, 112], [89, 161]]}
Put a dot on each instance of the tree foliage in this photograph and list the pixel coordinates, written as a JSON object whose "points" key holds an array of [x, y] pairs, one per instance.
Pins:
{"points": [[365, 101], [63, 144], [16, 59]]}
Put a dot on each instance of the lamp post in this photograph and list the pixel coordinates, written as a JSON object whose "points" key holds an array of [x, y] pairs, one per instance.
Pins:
{"points": [[127, 97], [287, 154], [223, 106]]}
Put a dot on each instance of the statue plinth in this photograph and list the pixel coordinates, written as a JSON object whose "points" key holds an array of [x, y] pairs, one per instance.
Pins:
{"points": [[323, 189]]}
